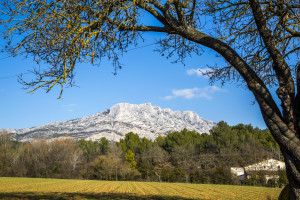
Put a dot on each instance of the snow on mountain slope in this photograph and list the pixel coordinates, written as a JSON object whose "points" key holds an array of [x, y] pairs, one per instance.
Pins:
{"points": [[146, 120]]}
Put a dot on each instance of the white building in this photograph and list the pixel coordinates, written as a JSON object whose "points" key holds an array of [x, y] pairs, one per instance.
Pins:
{"points": [[270, 165]]}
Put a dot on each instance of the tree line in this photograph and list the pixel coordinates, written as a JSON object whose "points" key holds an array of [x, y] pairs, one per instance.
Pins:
{"points": [[181, 156]]}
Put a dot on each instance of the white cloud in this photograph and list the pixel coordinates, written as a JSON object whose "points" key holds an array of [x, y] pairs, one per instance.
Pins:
{"points": [[199, 72], [186, 93], [195, 93], [216, 89]]}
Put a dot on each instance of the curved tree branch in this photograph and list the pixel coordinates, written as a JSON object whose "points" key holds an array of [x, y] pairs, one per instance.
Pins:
{"points": [[152, 11], [286, 91], [147, 29]]}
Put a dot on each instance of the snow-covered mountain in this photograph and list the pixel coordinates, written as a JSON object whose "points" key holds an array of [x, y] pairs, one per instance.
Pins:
{"points": [[146, 120]]}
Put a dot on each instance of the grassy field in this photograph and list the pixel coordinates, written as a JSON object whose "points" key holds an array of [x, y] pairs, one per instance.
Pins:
{"points": [[34, 188]]}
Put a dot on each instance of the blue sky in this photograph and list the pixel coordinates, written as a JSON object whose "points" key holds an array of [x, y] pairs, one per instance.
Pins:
{"points": [[146, 77]]}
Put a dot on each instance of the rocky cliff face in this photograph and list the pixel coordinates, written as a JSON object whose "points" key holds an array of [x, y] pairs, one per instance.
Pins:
{"points": [[146, 120]]}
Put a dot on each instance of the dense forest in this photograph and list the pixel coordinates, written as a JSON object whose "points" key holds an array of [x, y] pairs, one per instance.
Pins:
{"points": [[184, 156]]}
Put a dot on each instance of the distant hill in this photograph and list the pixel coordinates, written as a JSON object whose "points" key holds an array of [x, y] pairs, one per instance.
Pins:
{"points": [[146, 120]]}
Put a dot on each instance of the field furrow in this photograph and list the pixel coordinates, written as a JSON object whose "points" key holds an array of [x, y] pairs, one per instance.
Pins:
{"points": [[26, 188]]}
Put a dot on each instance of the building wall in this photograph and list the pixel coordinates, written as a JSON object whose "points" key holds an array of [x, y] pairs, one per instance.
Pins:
{"points": [[270, 165]]}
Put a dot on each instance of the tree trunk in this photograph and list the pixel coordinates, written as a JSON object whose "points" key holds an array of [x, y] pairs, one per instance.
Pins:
{"points": [[187, 178], [158, 176], [292, 190], [116, 173]]}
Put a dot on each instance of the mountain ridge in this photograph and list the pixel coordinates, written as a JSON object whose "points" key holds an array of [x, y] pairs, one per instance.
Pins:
{"points": [[113, 123]]}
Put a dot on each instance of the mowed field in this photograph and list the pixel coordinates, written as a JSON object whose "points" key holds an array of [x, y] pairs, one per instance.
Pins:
{"points": [[36, 188]]}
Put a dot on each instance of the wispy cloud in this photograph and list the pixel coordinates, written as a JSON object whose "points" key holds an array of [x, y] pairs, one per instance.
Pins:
{"points": [[199, 72], [192, 93]]}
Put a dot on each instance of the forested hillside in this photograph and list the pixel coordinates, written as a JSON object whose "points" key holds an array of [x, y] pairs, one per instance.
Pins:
{"points": [[184, 156]]}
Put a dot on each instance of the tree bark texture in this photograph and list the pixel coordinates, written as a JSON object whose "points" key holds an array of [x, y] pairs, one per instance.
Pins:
{"points": [[292, 170]]}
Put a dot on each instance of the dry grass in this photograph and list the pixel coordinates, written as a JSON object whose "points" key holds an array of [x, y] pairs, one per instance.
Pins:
{"points": [[36, 188]]}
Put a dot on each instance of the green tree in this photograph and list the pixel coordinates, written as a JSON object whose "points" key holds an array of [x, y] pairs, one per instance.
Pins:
{"points": [[3, 162], [258, 39], [92, 149], [189, 139], [104, 145], [130, 160], [222, 134], [5, 145], [282, 181], [132, 164], [133, 142]]}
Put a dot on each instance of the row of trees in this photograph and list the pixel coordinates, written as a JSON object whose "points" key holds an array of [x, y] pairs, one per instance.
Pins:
{"points": [[184, 156]]}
